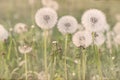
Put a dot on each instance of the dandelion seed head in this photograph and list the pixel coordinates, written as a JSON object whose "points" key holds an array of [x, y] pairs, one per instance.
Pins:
{"points": [[82, 39], [31, 2], [54, 5], [67, 25], [42, 76], [94, 20], [45, 2], [24, 49], [116, 28], [20, 28], [46, 18], [99, 38], [3, 33]]}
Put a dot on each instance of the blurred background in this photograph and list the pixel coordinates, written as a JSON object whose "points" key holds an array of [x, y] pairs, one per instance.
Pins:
{"points": [[14, 11]]}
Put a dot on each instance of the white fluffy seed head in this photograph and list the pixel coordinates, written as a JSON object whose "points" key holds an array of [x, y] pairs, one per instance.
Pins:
{"points": [[82, 39], [99, 38], [20, 28], [43, 76], [24, 49], [50, 3], [67, 25], [46, 18], [3, 33], [94, 20], [116, 28]]}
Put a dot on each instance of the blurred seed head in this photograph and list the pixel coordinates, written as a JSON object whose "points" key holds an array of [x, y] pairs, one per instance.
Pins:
{"points": [[50, 3], [20, 28], [67, 25], [3, 33], [117, 39], [31, 2], [43, 76], [82, 39], [46, 18], [116, 28], [24, 49], [94, 20], [99, 38]]}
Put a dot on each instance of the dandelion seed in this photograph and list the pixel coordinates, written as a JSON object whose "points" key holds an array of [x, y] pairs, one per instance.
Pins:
{"points": [[67, 25], [94, 20], [24, 49], [82, 39], [20, 28], [116, 28], [3, 33], [42, 76], [46, 18], [99, 38]]}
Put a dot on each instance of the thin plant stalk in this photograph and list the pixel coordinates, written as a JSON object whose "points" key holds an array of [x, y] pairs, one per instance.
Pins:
{"points": [[9, 50], [25, 56], [83, 64], [97, 57], [98, 62], [79, 67], [65, 53], [45, 52]]}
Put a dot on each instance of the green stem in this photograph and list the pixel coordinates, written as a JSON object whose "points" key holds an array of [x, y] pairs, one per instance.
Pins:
{"points": [[45, 52], [25, 56], [9, 50], [98, 62], [65, 53], [83, 64], [79, 75]]}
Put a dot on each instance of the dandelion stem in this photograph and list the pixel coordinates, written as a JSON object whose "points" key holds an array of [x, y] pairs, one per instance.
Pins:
{"points": [[25, 56], [45, 52], [65, 53], [9, 50], [83, 64], [98, 62], [79, 75]]}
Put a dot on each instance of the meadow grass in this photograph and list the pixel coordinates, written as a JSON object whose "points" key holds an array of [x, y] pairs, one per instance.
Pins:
{"points": [[76, 64]]}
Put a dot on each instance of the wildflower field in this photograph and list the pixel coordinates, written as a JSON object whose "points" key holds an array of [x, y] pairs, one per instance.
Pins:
{"points": [[59, 40]]}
